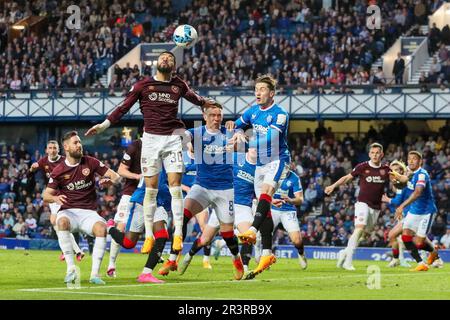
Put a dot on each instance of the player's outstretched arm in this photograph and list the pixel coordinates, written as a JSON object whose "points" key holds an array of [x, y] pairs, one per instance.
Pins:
{"points": [[125, 172], [130, 99], [345, 179], [49, 196], [98, 128]]}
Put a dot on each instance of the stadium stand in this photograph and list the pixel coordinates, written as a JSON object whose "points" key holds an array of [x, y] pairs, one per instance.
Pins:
{"points": [[305, 46], [318, 158]]}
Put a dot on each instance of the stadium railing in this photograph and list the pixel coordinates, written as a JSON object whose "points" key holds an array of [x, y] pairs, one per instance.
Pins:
{"points": [[394, 102]]}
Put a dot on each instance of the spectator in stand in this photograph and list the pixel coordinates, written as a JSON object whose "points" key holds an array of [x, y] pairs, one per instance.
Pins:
{"points": [[445, 240]]}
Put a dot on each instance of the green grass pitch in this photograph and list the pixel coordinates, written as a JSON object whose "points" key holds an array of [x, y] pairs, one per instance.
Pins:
{"points": [[39, 275]]}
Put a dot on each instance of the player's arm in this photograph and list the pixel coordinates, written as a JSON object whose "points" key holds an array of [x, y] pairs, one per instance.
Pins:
{"points": [[297, 200], [418, 190], [34, 167], [241, 122], [130, 99], [124, 171], [196, 99], [113, 176], [345, 179], [50, 196]]}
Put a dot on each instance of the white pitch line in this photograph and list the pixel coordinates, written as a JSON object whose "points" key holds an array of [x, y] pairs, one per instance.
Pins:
{"points": [[337, 276], [131, 295]]}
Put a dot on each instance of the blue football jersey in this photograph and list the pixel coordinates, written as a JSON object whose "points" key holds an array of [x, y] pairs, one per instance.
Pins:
{"points": [[190, 171], [425, 203], [290, 185], [163, 198], [270, 129], [214, 163], [244, 179], [401, 196]]}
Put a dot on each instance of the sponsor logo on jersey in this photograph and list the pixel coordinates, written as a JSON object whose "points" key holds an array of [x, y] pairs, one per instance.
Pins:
{"points": [[253, 116], [245, 176], [86, 171], [175, 89], [281, 119], [161, 97], [211, 148], [78, 185], [126, 157], [260, 129], [374, 179]]}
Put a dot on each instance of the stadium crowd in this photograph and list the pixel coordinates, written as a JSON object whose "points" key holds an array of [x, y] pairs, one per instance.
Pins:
{"points": [[319, 158], [296, 40]]}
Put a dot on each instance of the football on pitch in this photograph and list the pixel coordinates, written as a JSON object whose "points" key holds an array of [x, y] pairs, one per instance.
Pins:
{"points": [[185, 36]]}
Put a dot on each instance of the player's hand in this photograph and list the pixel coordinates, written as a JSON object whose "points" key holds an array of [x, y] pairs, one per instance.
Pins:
{"points": [[399, 212], [287, 199], [329, 190], [237, 138], [93, 131], [61, 199], [278, 202], [138, 177], [34, 167], [105, 183], [385, 198], [230, 125]]}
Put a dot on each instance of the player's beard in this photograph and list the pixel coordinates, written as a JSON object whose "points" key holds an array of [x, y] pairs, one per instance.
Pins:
{"points": [[76, 154], [162, 69]]}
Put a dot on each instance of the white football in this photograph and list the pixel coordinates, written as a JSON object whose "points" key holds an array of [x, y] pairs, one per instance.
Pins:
{"points": [[185, 36]]}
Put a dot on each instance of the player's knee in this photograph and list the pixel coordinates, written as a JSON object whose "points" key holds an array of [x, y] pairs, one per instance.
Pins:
{"points": [[99, 229], [63, 224]]}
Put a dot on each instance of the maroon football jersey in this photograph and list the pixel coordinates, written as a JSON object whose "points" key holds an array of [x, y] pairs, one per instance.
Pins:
{"points": [[158, 102], [47, 165], [132, 159], [77, 182], [372, 182]]}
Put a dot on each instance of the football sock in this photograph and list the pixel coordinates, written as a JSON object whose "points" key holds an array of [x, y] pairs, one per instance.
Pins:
{"points": [[66, 247], [232, 242], [300, 248], [407, 240], [97, 255], [149, 210], [177, 209], [120, 238], [161, 237], [196, 246], [75, 246], [246, 253], [206, 251], [262, 211], [114, 250], [266, 233]]}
